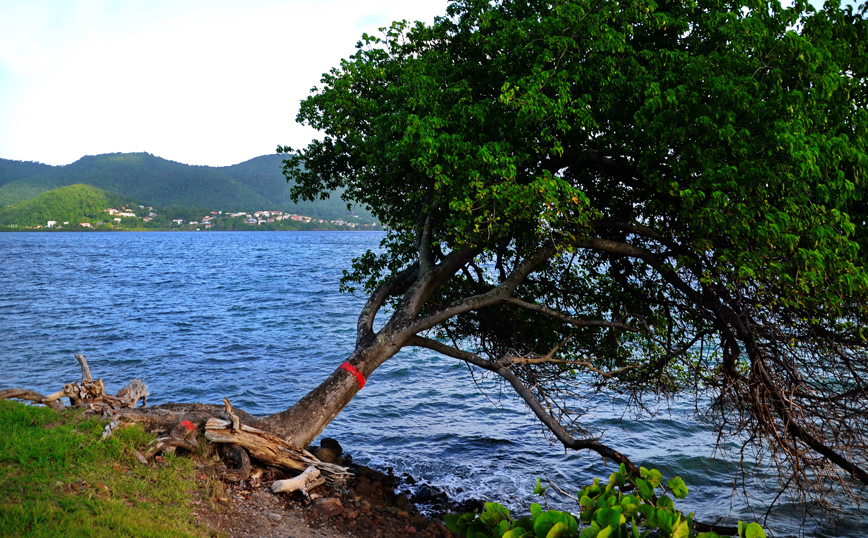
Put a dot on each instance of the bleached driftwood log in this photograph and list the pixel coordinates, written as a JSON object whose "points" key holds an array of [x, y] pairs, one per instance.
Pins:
{"points": [[93, 392], [272, 449], [30, 395], [85, 369], [304, 482]]}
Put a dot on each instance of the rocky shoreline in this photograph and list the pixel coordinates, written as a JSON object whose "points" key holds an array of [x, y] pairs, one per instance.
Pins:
{"points": [[373, 504]]}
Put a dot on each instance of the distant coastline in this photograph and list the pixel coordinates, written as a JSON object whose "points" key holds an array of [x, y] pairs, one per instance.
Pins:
{"points": [[144, 219], [139, 191]]}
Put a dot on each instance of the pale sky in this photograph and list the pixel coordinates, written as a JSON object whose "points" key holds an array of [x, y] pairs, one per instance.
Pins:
{"points": [[212, 82]]}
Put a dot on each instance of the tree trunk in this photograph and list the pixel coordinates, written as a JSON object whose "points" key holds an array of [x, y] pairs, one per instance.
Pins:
{"points": [[304, 421]]}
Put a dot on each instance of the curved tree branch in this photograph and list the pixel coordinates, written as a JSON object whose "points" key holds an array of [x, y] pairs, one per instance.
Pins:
{"points": [[799, 432], [493, 296], [393, 286], [545, 417]]}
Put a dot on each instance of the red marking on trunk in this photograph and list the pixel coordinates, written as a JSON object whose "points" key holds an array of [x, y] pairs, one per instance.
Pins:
{"points": [[352, 369]]}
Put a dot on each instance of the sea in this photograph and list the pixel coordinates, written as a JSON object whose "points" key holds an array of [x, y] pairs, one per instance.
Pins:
{"points": [[257, 317]]}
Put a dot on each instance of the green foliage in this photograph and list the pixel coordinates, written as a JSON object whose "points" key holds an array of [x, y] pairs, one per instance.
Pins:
{"points": [[625, 507], [710, 134], [58, 479]]}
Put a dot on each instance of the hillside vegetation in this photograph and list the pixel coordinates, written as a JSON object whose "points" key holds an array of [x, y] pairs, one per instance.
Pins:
{"points": [[257, 184], [75, 203], [80, 206]]}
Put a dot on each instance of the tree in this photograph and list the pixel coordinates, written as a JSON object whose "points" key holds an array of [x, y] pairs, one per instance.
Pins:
{"points": [[615, 195]]}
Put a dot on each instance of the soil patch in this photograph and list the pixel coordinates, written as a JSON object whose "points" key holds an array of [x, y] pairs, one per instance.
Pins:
{"points": [[368, 506]]}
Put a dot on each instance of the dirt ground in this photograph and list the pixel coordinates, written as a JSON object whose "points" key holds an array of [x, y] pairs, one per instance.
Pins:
{"points": [[367, 506]]}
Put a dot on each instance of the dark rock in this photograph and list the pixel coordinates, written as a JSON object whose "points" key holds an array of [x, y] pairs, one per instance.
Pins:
{"points": [[366, 472], [328, 507], [403, 503], [236, 466], [331, 444], [424, 493], [325, 455]]}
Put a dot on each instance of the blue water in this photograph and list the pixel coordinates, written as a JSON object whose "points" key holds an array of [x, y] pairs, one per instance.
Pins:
{"points": [[257, 317]]}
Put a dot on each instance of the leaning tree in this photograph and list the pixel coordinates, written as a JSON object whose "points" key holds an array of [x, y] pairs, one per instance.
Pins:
{"points": [[618, 195], [614, 195]]}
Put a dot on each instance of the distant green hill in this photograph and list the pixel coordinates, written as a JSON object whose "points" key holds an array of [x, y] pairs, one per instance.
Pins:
{"points": [[264, 175], [257, 184], [75, 204], [14, 184], [15, 170]]}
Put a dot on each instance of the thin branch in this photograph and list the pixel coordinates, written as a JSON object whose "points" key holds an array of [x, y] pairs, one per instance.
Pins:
{"points": [[576, 322], [507, 361]]}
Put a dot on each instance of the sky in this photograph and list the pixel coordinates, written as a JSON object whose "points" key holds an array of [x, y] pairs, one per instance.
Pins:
{"points": [[211, 82]]}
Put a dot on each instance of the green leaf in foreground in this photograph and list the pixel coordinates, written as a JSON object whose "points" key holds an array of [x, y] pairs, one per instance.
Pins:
{"points": [[678, 487]]}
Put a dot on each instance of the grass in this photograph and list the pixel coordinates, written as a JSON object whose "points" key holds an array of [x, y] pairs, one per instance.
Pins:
{"points": [[58, 478]]}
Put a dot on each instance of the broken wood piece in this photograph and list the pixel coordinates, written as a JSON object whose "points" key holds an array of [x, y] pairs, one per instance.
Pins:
{"points": [[86, 392], [93, 391], [272, 449], [32, 396], [304, 482], [182, 435], [85, 369], [138, 455], [109, 428], [236, 422], [129, 396]]}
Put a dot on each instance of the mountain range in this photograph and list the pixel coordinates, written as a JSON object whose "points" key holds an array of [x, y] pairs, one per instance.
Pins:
{"points": [[257, 184]]}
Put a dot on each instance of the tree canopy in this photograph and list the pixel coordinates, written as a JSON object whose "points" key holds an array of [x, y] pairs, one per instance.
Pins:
{"points": [[632, 196]]}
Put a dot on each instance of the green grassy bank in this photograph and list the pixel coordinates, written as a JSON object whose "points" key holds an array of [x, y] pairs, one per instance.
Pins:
{"points": [[58, 478]]}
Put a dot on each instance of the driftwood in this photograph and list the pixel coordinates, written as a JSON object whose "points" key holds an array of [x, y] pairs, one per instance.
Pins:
{"points": [[86, 392], [272, 449], [165, 416], [182, 435], [30, 395], [93, 392], [182, 421], [85, 369], [304, 482]]}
